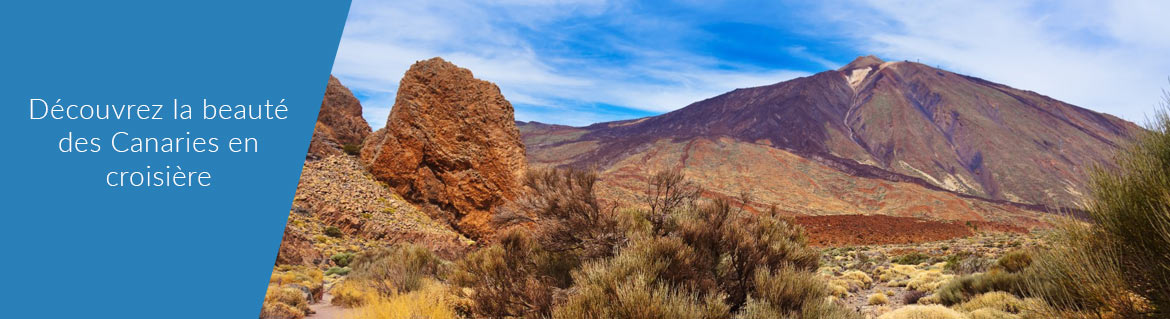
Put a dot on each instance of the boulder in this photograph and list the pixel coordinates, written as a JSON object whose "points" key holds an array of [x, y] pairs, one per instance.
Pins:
{"points": [[450, 144]]}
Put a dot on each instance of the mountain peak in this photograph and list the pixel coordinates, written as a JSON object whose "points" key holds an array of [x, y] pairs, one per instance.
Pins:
{"points": [[862, 62]]}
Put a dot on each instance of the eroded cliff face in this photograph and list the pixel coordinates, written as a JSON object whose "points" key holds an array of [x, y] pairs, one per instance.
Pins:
{"points": [[450, 145], [339, 123]]}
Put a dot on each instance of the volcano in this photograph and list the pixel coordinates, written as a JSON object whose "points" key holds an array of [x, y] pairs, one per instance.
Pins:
{"points": [[873, 137]]}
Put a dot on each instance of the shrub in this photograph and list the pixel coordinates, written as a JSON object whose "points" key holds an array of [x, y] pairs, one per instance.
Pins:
{"points": [[1126, 251], [284, 302], [988, 313], [711, 264], [913, 258], [965, 287], [997, 300], [965, 263], [928, 280], [567, 213], [636, 298], [309, 280], [1014, 261], [667, 192], [397, 269], [351, 293], [862, 279], [878, 299], [430, 301], [911, 297], [732, 246], [513, 278], [637, 284], [341, 259], [340, 271], [333, 231], [923, 312], [352, 149], [788, 290], [280, 311], [1079, 274]]}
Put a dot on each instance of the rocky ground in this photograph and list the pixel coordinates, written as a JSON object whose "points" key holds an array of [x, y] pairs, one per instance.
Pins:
{"points": [[912, 273], [843, 230], [336, 192]]}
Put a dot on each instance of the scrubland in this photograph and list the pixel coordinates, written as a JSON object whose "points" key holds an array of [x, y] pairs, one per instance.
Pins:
{"points": [[561, 252]]}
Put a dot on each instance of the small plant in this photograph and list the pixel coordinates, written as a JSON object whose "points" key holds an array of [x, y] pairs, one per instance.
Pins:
{"points": [[397, 269], [340, 271], [966, 287], [431, 301], [912, 297], [333, 231], [352, 149], [913, 258], [878, 299], [964, 263], [341, 259], [931, 312], [1014, 261]]}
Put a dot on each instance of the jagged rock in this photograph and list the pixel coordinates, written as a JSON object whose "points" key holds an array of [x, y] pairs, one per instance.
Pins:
{"points": [[339, 122], [296, 249], [451, 144]]}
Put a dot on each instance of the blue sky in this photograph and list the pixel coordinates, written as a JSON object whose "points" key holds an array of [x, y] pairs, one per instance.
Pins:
{"points": [[578, 62]]}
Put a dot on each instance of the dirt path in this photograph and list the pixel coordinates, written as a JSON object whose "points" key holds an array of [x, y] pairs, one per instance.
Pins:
{"points": [[324, 309]]}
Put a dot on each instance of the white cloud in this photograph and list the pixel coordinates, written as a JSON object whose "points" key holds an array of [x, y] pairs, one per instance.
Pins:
{"points": [[1107, 57], [1110, 57], [381, 40]]}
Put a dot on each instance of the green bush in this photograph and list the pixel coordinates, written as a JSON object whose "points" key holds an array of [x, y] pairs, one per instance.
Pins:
{"points": [[1014, 261], [732, 245], [715, 261], [642, 282], [1121, 262], [913, 258], [515, 277], [964, 263], [789, 293], [352, 149], [397, 269], [964, 288], [341, 259], [333, 231], [340, 271]]}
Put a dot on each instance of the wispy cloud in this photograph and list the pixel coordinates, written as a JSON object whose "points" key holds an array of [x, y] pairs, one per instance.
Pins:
{"points": [[1106, 56], [569, 62], [580, 62]]}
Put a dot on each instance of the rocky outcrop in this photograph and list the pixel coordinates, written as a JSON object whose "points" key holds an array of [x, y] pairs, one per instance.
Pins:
{"points": [[296, 249], [336, 192], [339, 123], [450, 145]]}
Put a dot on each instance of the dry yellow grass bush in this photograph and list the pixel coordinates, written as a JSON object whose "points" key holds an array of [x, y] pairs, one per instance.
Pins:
{"points": [[838, 288], [896, 274], [351, 293], [858, 277], [928, 280], [878, 299], [988, 313], [431, 300], [997, 300], [280, 311], [923, 312]]}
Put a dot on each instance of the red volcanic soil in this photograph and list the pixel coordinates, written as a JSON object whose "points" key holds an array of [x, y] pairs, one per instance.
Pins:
{"points": [[847, 230]]}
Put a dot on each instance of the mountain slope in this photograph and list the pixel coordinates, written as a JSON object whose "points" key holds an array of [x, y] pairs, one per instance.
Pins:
{"points": [[893, 122]]}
